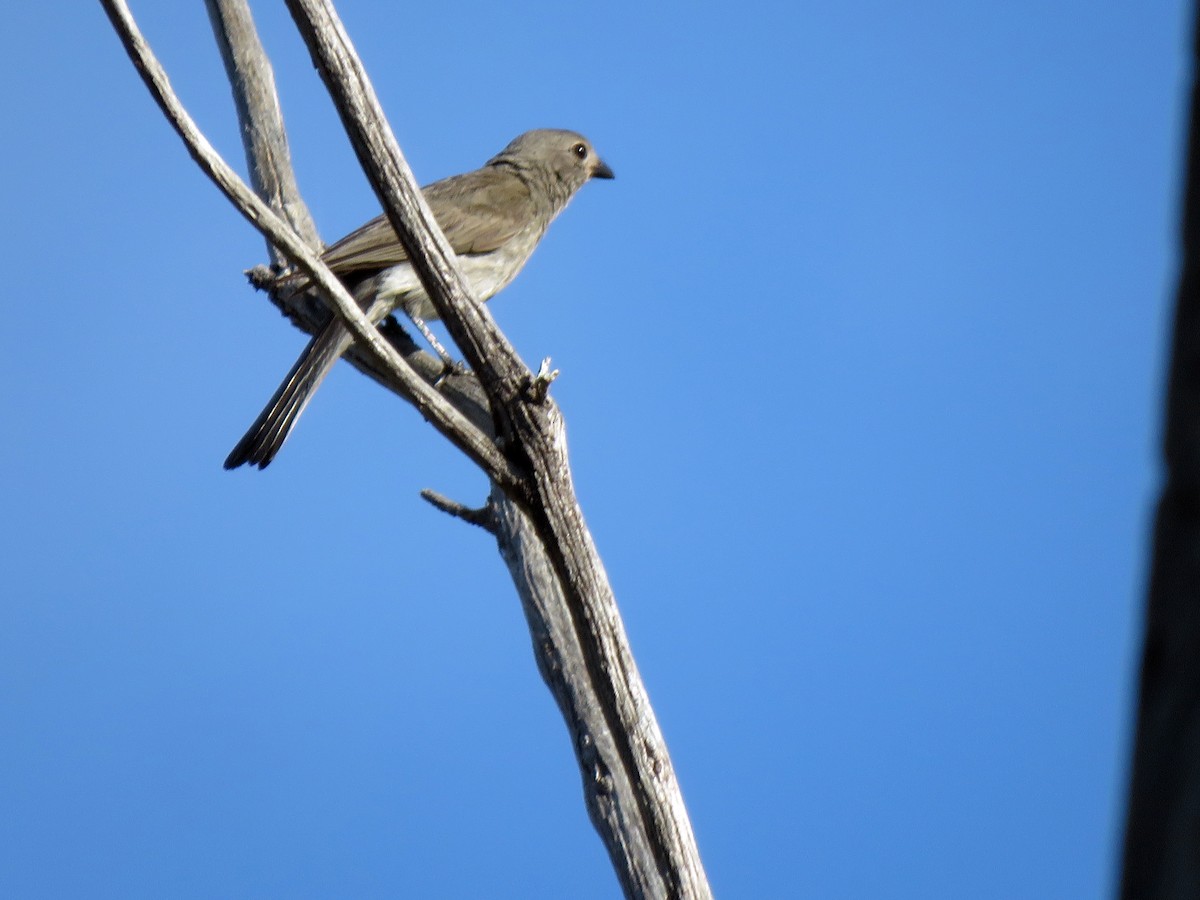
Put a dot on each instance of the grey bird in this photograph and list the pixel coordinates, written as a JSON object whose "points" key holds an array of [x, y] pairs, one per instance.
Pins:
{"points": [[493, 218]]}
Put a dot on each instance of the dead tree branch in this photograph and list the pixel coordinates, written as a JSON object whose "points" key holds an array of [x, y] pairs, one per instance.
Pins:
{"points": [[263, 136], [1162, 828], [664, 860], [629, 784]]}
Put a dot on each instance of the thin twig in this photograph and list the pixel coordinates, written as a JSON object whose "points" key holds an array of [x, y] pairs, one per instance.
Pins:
{"points": [[484, 516]]}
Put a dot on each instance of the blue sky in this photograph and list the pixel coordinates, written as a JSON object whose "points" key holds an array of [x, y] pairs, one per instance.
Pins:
{"points": [[862, 359]]}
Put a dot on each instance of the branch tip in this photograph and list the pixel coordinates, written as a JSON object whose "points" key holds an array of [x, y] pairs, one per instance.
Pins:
{"points": [[484, 516], [539, 387]]}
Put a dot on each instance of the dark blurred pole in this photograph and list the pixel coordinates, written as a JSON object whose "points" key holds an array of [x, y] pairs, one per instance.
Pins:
{"points": [[1162, 831]]}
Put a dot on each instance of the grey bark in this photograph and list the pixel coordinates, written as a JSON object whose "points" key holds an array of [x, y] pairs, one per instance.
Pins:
{"points": [[656, 855], [261, 119]]}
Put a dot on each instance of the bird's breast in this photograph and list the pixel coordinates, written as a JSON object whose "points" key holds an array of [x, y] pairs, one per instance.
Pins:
{"points": [[486, 273]]}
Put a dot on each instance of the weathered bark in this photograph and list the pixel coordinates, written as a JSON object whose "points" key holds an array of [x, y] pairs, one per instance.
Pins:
{"points": [[579, 641], [1162, 830], [263, 136]]}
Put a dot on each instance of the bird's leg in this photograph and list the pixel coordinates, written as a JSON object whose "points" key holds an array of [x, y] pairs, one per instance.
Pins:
{"points": [[447, 360]]}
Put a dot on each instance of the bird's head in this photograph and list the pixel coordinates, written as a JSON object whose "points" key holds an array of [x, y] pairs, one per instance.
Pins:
{"points": [[564, 158]]}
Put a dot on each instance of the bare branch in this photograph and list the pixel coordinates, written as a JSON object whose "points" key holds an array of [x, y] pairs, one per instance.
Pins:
{"points": [[488, 352], [260, 118], [645, 824], [607, 785], [629, 783], [448, 420]]}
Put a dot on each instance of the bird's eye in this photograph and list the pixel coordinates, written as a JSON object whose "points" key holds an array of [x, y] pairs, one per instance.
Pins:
{"points": [[580, 150]]}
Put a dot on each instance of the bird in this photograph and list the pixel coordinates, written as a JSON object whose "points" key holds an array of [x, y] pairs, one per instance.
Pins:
{"points": [[493, 218]]}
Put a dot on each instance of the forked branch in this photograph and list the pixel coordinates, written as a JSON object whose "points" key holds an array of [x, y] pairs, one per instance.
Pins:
{"points": [[579, 641], [452, 423]]}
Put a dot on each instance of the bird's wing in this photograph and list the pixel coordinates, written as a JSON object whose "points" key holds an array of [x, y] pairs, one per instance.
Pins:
{"points": [[478, 211]]}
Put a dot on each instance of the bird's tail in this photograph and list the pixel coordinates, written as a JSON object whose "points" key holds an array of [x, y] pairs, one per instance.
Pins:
{"points": [[260, 444]]}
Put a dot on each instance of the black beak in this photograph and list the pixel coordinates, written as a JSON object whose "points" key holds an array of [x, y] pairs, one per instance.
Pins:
{"points": [[602, 170]]}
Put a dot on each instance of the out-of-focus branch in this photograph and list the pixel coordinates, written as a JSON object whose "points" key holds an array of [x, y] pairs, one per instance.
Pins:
{"points": [[1162, 829]]}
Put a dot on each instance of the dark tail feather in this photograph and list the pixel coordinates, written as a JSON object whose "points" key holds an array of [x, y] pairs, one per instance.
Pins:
{"points": [[260, 444]]}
